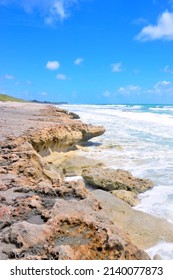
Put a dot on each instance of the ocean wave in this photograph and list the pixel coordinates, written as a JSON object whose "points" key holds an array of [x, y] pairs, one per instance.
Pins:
{"points": [[153, 199], [167, 108], [163, 249]]}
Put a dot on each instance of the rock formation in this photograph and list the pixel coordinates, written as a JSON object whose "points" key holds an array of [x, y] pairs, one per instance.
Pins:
{"points": [[43, 216], [109, 179]]}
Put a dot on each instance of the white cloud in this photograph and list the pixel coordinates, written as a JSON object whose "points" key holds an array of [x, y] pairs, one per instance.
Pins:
{"points": [[162, 30], [9, 77], [117, 67], [52, 65], [162, 91], [167, 69], [106, 93], [57, 10], [129, 89], [162, 85], [78, 61], [50, 10], [62, 77], [162, 88]]}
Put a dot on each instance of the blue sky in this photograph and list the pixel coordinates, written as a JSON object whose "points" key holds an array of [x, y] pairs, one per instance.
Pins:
{"points": [[87, 51]]}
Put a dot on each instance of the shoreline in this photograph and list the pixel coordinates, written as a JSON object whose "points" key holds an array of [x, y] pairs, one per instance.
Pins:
{"points": [[35, 198]]}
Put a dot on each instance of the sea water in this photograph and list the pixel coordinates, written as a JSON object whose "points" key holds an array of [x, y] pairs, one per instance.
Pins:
{"points": [[138, 138]]}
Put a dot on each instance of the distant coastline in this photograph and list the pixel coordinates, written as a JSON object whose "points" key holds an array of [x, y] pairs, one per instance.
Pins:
{"points": [[6, 98], [48, 102]]}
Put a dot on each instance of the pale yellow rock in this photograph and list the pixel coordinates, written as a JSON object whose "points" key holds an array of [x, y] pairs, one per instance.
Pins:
{"points": [[144, 229], [128, 196]]}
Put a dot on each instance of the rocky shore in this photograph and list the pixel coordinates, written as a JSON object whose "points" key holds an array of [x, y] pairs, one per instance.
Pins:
{"points": [[46, 215]]}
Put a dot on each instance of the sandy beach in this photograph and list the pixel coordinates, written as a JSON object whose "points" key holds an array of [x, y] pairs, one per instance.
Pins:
{"points": [[17, 118]]}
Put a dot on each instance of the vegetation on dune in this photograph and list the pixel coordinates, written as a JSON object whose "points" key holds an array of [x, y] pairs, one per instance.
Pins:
{"points": [[5, 97]]}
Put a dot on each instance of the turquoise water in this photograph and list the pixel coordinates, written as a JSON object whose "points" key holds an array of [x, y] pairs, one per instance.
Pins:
{"points": [[138, 138]]}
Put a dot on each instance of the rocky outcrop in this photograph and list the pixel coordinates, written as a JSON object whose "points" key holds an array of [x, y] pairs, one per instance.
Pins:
{"points": [[58, 112], [47, 218], [72, 163], [109, 179], [79, 230], [63, 137], [43, 216]]}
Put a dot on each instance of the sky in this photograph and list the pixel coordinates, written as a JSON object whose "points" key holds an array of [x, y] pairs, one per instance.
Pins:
{"points": [[87, 51]]}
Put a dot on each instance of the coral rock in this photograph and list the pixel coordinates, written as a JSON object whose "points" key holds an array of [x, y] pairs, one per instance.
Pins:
{"points": [[110, 179]]}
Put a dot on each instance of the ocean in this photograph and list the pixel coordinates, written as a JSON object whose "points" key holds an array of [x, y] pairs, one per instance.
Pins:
{"points": [[138, 138]]}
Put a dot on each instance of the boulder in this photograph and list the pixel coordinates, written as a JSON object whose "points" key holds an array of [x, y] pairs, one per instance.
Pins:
{"points": [[74, 165], [109, 179]]}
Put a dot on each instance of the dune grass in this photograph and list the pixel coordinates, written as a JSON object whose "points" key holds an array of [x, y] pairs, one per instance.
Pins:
{"points": [[5, 97]]}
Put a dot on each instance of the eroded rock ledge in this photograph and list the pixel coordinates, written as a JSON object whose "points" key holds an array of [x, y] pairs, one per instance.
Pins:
{"points": [[42, 216]]}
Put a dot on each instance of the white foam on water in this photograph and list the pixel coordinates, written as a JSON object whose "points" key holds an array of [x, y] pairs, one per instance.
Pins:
{"points": [[162, 119], [136, 107], [165, 108], [73, 178], [157, 201], [163, 249]]}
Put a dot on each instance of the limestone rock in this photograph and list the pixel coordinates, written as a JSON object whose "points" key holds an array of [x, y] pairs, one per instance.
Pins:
{"points": [[42, 216], [24, 234], [63, 137], [5, 216], [128, 196], [87, 233], [3, 186], [63, 252], [44, 187], [110, 179], [144, 229], [73, 189], [80, 230], [74, 165], [53, 175], [51, 110]]}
